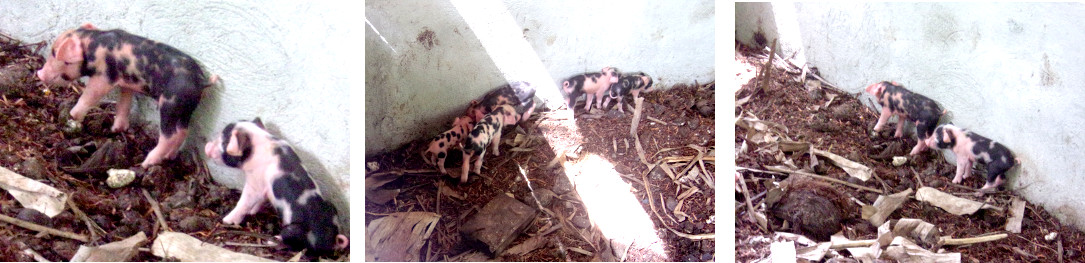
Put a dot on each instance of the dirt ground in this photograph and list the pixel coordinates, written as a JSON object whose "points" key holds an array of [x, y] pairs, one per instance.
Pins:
{"points": [[844, 127], [677, 124], [35, 144]]}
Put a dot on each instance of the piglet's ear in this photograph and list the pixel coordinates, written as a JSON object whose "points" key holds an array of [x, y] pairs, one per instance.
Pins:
{"points": [[239, 141], [88, 26], [258, 122], [70, 50]]}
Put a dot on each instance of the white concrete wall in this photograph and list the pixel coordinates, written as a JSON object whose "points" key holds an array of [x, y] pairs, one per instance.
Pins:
{"points": [[287, 62], [1008, 71], [414, 90]]}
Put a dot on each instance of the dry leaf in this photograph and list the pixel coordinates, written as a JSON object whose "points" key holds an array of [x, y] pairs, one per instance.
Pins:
{"points": [[399, 236], [948, 202]]}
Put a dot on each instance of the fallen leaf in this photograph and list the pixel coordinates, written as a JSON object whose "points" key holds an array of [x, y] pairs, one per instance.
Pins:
{"points": [[948, 202]]}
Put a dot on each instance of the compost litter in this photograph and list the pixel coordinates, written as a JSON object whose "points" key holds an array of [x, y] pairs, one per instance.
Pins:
{"points": [[672, 130], [783, 117]]}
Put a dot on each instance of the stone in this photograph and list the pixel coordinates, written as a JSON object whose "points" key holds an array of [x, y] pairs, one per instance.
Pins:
{"points": [[34, 216], [193, 224], [562, 186], [581, 221], [671, 203], [180, 199], [498, 223], [32, 168], [545, 196]]}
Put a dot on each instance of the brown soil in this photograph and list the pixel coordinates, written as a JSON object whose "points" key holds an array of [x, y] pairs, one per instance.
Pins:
{"points": [[604, 134], [844, 127], [35, 145]]}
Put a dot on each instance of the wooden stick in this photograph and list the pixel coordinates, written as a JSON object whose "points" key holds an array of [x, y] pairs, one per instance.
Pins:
{"points": [[41, 228], [853, 244], [972, 240], [639, 102], [749, 207], [35, 255], [91, 225], [766, 70], [157, 210], [860, 187], [238, 244]]}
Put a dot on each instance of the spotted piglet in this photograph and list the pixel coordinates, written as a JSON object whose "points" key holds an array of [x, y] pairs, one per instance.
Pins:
{"points": [[274, 172], [970, 147], [519, 94], [595, 85], [439, 146], [907, 106], [632, 83], [487, 133], [115, 58]]}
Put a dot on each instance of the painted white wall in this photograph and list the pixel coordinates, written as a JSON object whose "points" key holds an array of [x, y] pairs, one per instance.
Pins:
{"points": [[1008, 71], [284, 61], [415, 91]]}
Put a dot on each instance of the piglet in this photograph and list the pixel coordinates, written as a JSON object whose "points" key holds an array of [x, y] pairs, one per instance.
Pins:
{"points": [[595, 85], [907, 106], [519, 94], [487, 133], [274, 172], [970, 147], [115, 58], [439, 145], [632, 83]]}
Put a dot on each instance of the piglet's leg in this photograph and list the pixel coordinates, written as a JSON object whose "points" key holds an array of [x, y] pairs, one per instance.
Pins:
{"points": [[478, 164], [920, 146], [124, 107], [587, 101], [496, 141], [166, 148], [989, 185], [97, 87], [250, 196], [884, 117], [900, 127], [466, 166], [963, 165]]}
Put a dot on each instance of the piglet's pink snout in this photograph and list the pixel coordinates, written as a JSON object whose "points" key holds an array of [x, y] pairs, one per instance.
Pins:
{"points": [[210, 150], [41, 75]]}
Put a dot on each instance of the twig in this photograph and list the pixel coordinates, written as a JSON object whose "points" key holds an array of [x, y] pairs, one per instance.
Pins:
{"points": [[402, 172], [1060, 250], [36, 256], [972, 240], [238, 244], [749, 206], [41, 228], [655, 120], [766, 75], [853, 244], [860, 187], [759, 171], [639, 102], [917, 180], [157, 210], [91, 225]]}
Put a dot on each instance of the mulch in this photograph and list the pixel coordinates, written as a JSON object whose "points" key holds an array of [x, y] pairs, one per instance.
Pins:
{"points": [[36, 144], [606, 134], [844, 127]]}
